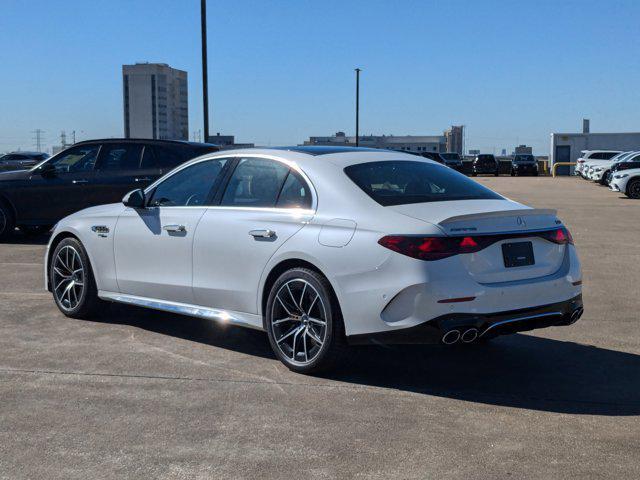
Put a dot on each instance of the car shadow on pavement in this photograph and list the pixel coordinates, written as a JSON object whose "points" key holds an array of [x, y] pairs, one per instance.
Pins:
{"points": [[521, 370], [19, 238]]}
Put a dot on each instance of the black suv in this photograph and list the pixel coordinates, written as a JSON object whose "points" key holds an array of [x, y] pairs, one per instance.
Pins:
{"points": [[485, 163], [88, 173], [524, 164], [21, 160]]}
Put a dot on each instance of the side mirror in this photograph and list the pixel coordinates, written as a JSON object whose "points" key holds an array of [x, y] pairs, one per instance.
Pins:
{"points": [[134, 199], [47, 170]]}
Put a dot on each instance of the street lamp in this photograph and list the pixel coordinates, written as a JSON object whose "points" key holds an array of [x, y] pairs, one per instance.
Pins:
{"points": [[205, 88], [358, 70]]}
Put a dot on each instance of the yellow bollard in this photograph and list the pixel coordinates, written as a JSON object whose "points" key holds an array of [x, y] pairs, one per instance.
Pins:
{"points": [[555, 165]]}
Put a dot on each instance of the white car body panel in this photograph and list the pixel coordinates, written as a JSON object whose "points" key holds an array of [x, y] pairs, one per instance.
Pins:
{"points": [[217, 270], [152, 262], [621, 178]]}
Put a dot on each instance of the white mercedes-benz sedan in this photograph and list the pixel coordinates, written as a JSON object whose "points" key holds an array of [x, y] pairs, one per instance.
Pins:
{"points": [[322, 247]]}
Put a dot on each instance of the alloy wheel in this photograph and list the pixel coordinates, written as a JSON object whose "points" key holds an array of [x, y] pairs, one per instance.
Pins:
{"points": [[68, 277], [299, 321], [634, 189], [3, 220]]}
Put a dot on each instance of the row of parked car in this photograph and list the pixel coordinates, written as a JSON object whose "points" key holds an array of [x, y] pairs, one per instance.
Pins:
{"points": [[620, 171], [487, 164]]}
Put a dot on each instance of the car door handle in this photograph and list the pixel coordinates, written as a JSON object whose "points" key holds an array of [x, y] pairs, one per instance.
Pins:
{"points": [[262, 233], [174, 228], [142, 179], [77, 182]]}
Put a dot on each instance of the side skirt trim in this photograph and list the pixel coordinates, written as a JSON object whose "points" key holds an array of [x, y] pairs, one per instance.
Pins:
{"points": [[223, 316]]}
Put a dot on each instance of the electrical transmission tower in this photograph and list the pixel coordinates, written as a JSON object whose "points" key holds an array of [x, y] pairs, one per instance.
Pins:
{"points": [[38, 138]]}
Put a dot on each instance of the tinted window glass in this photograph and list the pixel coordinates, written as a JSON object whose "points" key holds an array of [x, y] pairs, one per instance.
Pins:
{"points": [[608, 155], [295, 193], [120, 156], [170, 156], [256, 182], [76, 159], [149, 159], [402, 182], [188, 187]]}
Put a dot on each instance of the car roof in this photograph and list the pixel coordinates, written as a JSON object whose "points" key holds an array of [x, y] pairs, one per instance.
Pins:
{"points": [[306, 157], [22, 152], [147, 140]]}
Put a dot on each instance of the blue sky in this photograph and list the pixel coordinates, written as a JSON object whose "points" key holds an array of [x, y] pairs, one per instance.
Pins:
{"points": [[281, 70]]}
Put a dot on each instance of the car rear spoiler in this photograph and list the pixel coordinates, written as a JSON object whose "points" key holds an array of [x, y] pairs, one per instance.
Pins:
{"points": [[502, 213]]}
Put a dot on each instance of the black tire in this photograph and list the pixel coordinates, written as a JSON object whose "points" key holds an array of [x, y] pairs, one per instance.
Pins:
{"points": [[34, 230], [497, 173], [7, 221], [286, 313], [633, 188], [78, 302], [513, 174], [603, 179], [474, 174]]}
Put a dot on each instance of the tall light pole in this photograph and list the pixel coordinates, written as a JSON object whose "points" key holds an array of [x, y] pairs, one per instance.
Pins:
{"points": [[205, 86], [358, 70]]}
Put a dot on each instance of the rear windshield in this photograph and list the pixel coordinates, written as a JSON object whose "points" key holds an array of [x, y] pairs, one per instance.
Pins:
{"points": [[402, 182]]}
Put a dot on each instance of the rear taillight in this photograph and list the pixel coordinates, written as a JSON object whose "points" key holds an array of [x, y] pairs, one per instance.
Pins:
{"points": [[437, 248], [561, 236]]}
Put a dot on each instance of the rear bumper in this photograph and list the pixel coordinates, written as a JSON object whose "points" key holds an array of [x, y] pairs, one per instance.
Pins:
{"points": [[488, 324]]}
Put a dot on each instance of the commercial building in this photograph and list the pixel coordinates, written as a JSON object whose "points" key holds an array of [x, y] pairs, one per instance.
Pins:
{"points": [[454, 138], [155, 101], [523, 150], [409, 143], [566, 147]]}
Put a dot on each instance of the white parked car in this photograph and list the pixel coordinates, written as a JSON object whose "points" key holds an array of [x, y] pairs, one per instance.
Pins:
{"points": [[322, 247], [591, 156], [597, 171], [602, 174], [627, 182]]}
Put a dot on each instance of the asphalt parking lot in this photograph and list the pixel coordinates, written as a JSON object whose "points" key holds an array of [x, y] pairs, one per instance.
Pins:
{"points": [[139, 394]]}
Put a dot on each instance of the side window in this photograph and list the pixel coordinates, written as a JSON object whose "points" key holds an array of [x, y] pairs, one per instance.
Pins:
{"points": [[256, 182], [188, 187], [76, 159], [295, 193], [116, 156], [168, 157]]}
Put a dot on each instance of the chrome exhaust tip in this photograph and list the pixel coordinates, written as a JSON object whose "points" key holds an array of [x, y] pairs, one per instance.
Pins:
{"points": [[470, 335], [451, 337]]}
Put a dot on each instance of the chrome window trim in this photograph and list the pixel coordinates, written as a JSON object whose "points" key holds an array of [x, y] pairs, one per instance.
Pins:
{"points": [[219, 155]]}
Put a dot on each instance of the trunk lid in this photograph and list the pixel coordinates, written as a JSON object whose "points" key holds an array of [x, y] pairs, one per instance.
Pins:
{"points": [[503, 218]]}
